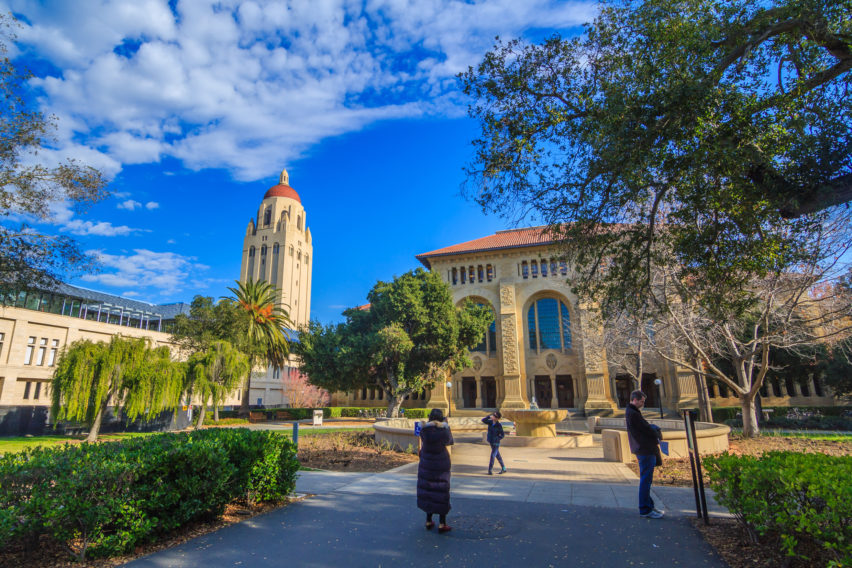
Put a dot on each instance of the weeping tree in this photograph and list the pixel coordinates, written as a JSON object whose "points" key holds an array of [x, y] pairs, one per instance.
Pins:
{"points": [[126, 372], [266, 338], [214, 374]]}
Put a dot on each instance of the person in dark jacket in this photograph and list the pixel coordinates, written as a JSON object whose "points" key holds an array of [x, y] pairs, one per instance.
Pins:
{"points": [[433, 473], [495, 434], [644, 439]]}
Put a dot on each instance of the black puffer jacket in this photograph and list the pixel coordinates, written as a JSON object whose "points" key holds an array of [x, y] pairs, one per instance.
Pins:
{"points": [[641, 435], [433, 473]]}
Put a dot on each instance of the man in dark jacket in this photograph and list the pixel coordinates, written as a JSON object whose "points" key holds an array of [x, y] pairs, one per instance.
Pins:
{"points": [[643, 438], [495, 434]]}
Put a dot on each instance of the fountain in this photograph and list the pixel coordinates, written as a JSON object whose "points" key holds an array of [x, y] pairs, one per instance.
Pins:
{"points": [[536, 427]]}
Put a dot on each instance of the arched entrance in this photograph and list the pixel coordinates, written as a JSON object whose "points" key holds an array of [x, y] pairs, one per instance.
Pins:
{"points": [[489, 392], [564, 391], [468, 392], [543, 392]]}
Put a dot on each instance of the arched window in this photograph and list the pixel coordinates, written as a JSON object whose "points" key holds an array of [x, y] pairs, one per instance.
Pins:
{"points": [[267, 217], [250, 271], [299, 222], [274, 274], [549, 325], [488, 345]]}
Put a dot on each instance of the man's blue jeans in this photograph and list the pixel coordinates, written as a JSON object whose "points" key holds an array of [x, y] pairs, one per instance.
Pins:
{"points": [[495, 452], [646, 476]]}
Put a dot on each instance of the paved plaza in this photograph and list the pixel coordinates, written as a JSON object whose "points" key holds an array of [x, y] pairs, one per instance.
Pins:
{"points": [[553, 508]]}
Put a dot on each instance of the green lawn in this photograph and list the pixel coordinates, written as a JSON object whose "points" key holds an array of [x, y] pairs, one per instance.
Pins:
{"points": [[18, 443]]}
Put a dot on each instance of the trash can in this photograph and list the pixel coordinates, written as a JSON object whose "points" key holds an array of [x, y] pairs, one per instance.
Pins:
{"points": [[317, 417]]}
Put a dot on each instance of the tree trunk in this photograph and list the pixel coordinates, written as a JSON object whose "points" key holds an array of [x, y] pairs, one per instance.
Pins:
{"points": [[201, 413], [750, 426], [244, 404], [394, 404], [216, 412], [705, 413], [96, 423]]}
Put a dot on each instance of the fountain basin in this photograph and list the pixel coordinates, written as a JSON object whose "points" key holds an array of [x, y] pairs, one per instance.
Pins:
{"points": [[535, 423]]}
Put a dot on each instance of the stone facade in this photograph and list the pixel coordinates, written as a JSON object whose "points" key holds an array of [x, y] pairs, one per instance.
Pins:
{"points": [[544, 342], [278, 248]]}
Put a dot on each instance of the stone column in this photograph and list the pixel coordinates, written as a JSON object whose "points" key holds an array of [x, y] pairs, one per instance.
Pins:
{"points": [[554, 400], [439, 395], [509, 340], [599, 400], [479, 397], [811, 385]]}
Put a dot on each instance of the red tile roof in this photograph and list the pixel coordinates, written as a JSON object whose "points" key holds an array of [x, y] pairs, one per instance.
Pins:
{"points": [[282, 190], [513, 238]]}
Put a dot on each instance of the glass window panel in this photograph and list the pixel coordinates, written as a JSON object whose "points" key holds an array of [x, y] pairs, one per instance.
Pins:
{"points": [[33, 300], [492, 337], [27, 389], [531, 327], [566, 326], [548, 323]]}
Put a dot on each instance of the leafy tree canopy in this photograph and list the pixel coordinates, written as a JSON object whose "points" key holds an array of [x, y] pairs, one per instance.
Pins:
{"points": [[708, 132], [411, 336], [29, 258]]}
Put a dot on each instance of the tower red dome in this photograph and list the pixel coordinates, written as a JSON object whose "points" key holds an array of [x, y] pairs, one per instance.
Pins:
{"points": [[283, 188]]}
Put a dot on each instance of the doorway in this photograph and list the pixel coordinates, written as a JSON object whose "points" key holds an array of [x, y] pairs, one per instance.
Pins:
{"points": [[564, 391], [543, 392], [469, 392], [489, 392], [623, 388], [650, 390]]}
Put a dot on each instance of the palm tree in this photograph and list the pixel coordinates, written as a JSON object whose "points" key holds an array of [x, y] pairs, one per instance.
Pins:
{"points": [[268, 326], [215, 373]]}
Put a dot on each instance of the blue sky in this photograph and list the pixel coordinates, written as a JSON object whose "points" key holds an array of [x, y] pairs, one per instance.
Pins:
{"points": [[193, 108]]}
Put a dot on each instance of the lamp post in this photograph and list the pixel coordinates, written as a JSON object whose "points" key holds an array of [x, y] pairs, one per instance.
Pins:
{"points": [[659, 382], [449, 397]]}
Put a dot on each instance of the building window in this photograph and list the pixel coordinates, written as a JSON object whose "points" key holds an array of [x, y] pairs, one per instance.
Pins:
{"points": [[54, 347], [37, 390], [489, 272], [549, 325], [543, 268], [299, 222], [563, 268], [534, 269], [2, 337], [28, 356], [306, 259], [267, 217], [26, 390], [480, 273], [471, 277], [463, 276], [41, 351], [552, 267], [488, 345], [291, 250], [525, 270]]}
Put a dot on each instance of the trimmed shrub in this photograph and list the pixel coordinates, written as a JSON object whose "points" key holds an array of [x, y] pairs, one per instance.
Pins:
{"points": [[416, 413], [103, 499], [789, 497]]}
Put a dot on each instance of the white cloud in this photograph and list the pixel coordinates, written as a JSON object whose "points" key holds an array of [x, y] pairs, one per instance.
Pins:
{"points": [[152, 205], [171, 241], [62, 215], [166, 272], [251, 85], [130, 205]]}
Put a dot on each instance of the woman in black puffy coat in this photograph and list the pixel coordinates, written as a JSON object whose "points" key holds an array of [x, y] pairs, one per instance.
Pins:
{"points": [[433, 473]]}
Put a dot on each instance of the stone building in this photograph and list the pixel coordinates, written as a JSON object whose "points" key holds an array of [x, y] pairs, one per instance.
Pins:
{"points": [[541, 340], [36, 326]]}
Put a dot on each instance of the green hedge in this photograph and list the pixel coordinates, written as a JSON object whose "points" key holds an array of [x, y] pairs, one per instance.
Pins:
{"points": [[722, 413], [791, 498], [104, 499]]}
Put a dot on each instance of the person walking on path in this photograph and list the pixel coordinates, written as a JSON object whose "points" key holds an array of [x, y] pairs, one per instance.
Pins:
{"points": [[643, 438], [495, 434], [433, 472]]}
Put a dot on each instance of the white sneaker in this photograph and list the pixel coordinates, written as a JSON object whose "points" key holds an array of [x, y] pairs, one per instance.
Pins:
{"points": [[660, 511], [654, 514]]}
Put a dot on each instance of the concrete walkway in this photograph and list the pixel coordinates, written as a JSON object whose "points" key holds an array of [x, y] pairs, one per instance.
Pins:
{"points": [[552, 508]]}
